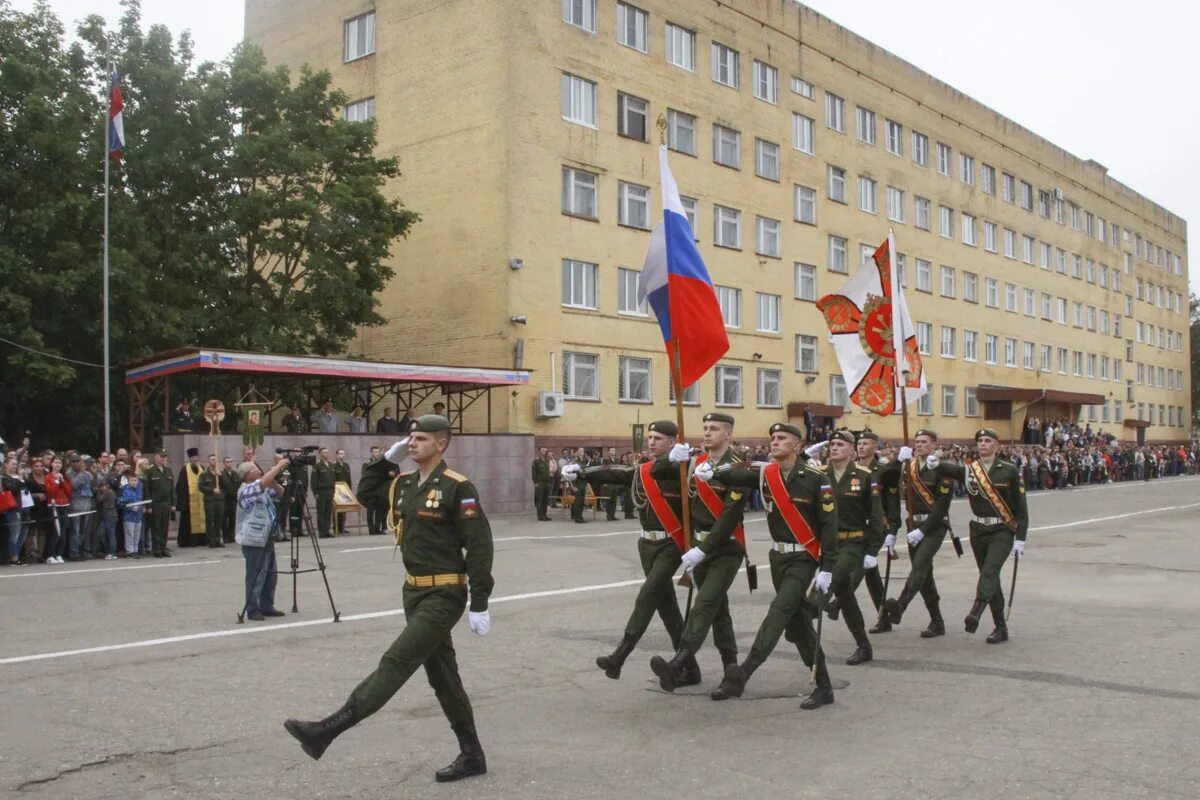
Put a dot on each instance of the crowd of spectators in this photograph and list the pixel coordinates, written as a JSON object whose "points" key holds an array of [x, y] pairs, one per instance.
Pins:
{"points": [[318, 419]]}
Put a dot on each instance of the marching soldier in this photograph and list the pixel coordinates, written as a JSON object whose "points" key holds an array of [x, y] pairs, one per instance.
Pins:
{"points": [[996, 493], [660, 546], [322, 489], [341, 474], [718, 547], [436, 516], [229, 483], [860, 534], [160, 491], [209, 484], [802, 520], [930, 492], [888, 478]]}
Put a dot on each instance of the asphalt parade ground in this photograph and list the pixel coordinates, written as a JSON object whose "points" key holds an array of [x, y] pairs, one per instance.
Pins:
{"points": [[133, 680]]}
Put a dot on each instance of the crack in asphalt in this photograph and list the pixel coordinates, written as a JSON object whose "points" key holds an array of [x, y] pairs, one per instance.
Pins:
{"points": [[110, 759]]}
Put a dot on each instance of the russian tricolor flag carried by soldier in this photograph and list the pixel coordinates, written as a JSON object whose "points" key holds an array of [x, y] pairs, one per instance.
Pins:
{"points": [[676, 285]]}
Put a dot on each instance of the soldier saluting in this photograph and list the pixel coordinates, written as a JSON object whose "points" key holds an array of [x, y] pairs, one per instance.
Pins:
{"points": [[446, 543]]}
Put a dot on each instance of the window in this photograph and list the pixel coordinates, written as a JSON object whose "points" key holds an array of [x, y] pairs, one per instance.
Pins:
{"points": [[837, 391], [729, 385], [1077, 363], [1091, 365], [837, 184], [681, 49], [727, 227], [894, 138], [578, 100], [806, 353], [1091, 271], [1076, 266], [1077, 314], [948, 342], [1030, 303], [579, 284], [361, 111], [866, 125], [359, 37], [920, 148], [1047, 306], [766, 82], [725, 65], [925, 402], [726, 146], [946, 222], [1010, 243], [866, 195], [1026, 196], [943, 159], [1010, 352], [627, 293], [632, 25], [632, 115], [968, 230], [770, 388], [579, 192], [633, 208], [991, 344], [970, 402], [1028, 351], [730, 300], [806, 282], [768, 313], [581, 375], [767, 237], [1075, 216], [970, 287], [580, 13], [834, 110], [1046, 358], [633, 382], [924, 276], [1089, 223], [1062, 360], [802, 87], [1062, 311], [991, 292], [921, 207], [924, 338], [970, 345], [1044, 204], [1103, 368], [806, 205], [989, 179], [949, 401], [1010, 297], [1027, 249], [966, 168], [1044, 260], [804, 134], [895, 204], [989, 236], [1091, 318], [766, 159], [1008, 187], [681, 132], [837, 254], [1061, 262]]}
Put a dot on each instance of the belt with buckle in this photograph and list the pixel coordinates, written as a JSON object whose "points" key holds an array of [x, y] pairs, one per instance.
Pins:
{"points": [[989, 520], [920, 517], [850, 534], [788, 547], [444, 579], [655, 536], [699, 535]]}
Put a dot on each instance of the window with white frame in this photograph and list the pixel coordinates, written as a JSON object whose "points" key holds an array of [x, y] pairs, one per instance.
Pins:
{"points": [[946, 222], [837, 184], [806, 281], [578, 100], [943, 159], [1044, 252], [924, 276], [767, 318], [949, 401], [894, 138], [970, 287], [806, 204], [1091, 318], [837, 392], [1008, 185], [1044, 204], [1010, 297], [837, 254], [991, 292], [865, 118], [1103, 368], [948, 281], [1010, 243], [1074, 216], [1077, 314], [925, 402], [1030, 303], [766, 241], [581, 375], [579, 192], [1026, 196], [920, 148], [1091, 365], [766, 159], [1010, 352], [867, 194], [1091, 271], [991, 344], [766, 82], [866, 253], [970, 345], [806, 353], [579, 284], [580, 13], [360, 110], [727, 145], [1047, 306], [681, 132], [681, 47], [1060, 264], [921, 209], [835, 108], [1046, 357], [895, 204], [730, 300], [949, 336], [633, 206], [970, 402], [1061, 317], [802, 87], [728, 385], [627, 293], [727, 227], [924, 338], [359, 37], [770, 388], [1063, 359], [989, 236], [1027, 243], [633, 381], [968, 229], [988, 176], [966, 168], [633, 25], [1076, 266], [633, 114], [726, 65], [1028, 353]]}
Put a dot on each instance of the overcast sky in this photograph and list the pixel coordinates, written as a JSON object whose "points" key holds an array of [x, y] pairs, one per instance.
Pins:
{"points": [[1100, 78]]}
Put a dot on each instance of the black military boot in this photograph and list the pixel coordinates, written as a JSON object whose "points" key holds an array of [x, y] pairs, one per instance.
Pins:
{"points": [[734, 682], [883, 624], [971, 623], [691, 673], [314, 737], [937, 627], [863, 653], [833, 608], [612, 663], [470, 761], [895, 607], [822, 695], [728, 657], [999, 635], [672, 673]]}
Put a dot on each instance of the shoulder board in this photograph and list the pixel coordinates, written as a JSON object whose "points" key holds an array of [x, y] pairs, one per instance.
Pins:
{"points": [[405, 474], [814, 470], [455, 476], [863, 470]]}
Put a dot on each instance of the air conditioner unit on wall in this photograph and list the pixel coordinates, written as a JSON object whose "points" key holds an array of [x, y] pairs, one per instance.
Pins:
{"points": [[549, 404]]}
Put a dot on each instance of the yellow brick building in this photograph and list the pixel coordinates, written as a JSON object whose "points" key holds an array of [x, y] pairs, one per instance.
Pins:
{"points": [[527, 135]]}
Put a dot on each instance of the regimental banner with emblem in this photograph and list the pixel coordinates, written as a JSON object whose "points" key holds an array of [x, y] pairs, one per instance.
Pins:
{"points": [[860, 316]]}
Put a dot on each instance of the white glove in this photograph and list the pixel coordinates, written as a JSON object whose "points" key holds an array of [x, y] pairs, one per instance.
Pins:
{"points": [[570, 472], [914, 537], [931, 461], [395, 453], [692, 558], [815, 450], [906, 453], [823, 581], [889, 543], [1018, 548], [870, 562], [480, 622], [704, 472], [680, 454]]}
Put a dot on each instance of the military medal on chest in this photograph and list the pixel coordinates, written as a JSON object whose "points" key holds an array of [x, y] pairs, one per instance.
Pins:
{"points": [[855, 485], [434, 498]]}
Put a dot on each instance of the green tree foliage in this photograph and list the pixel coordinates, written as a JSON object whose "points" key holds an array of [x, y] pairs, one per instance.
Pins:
{"points": [[246, 213]]}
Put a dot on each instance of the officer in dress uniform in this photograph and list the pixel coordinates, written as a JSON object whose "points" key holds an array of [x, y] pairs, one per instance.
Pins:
{"points": [[996, 493], [341, 474], [888, 477], [657, 546], [230, 483], [802, 521], [160, 490], [209, 484], [446, 544], [373, 493], [322, 489]]}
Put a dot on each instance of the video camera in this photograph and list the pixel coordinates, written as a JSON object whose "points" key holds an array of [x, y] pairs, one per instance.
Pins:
{"points": [[305, 456]]}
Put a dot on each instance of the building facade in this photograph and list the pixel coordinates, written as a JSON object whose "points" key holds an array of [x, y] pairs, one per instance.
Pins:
{"points": [[527, 133]]}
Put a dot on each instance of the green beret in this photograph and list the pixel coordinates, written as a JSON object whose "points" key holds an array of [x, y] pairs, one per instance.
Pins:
{"points": [[987, 432], [431, 423], [844, 435], [664, 426], [926, 432], [716, 416], [872, 435], [786, 427]]}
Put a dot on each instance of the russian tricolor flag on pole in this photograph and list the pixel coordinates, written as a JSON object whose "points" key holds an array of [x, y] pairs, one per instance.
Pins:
{"points": [[676, 285], [116, 121]]}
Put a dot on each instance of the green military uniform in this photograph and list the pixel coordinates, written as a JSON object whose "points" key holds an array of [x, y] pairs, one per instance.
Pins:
{"points": [[230, 483], [341, 473], [792, 571], [860, 531], [322, 489], [160, 490], [540, 474], [580, 499], [214, 507], [887, 477], [373, 484]]}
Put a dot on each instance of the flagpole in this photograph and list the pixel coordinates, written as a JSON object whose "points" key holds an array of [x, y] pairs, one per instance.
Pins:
{"points": [[107, 146], [901, 374], [677, 379]]}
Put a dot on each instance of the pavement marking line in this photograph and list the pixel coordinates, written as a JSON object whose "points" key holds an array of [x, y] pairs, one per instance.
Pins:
{"points": [[105, 569], [1114, 516]]}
